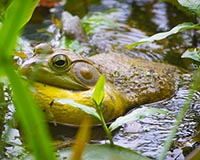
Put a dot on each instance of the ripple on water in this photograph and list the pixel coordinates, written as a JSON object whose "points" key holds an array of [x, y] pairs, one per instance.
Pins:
{"points": [[160, 19], [150, 133]]}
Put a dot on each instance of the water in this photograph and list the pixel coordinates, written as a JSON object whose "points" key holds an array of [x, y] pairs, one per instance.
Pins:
{"points": [[154, 130], [136, 19]]}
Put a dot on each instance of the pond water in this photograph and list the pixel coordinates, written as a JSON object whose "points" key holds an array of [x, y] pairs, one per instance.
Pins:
{"points": [[136, 19]]}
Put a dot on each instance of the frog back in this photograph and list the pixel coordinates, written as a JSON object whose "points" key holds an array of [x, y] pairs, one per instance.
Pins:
{"points": [[139, 80]]}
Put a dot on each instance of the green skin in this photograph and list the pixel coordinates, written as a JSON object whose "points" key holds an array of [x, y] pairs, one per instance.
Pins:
{"points": [[130, 82]]}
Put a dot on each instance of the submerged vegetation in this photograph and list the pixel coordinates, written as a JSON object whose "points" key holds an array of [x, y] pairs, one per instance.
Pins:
{"points": [[31, 119]]}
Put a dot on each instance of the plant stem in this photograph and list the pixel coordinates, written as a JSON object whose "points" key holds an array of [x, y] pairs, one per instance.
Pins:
{"points": [[108, 133]]}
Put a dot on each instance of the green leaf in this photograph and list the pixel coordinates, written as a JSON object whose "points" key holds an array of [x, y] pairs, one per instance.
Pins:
{"points": [[31, 118], [98, 94], [163, 35], [192, 53], [104, 152], [137, 114], [191, 5], [17, 16], [89, 110], [25, 16]]}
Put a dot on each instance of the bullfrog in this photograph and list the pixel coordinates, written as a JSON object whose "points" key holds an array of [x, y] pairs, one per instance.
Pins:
{"points": [[130, 82]]}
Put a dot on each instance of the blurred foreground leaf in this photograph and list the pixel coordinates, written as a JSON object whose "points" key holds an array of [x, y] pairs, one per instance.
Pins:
{"points": [[163, 35], [25, 13], [82, 138], [137, 114], [105, 152], [30, 118]]}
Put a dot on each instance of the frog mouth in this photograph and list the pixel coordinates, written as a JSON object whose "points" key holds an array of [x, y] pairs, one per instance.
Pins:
{"points": [[47, 97]]}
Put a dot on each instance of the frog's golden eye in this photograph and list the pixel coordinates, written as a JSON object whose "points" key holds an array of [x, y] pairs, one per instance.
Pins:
{"points": [[60, 62], [86, 73]]}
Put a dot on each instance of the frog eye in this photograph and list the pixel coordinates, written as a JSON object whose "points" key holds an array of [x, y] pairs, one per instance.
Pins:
{"points": [[60, 62], [86, 73]]}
